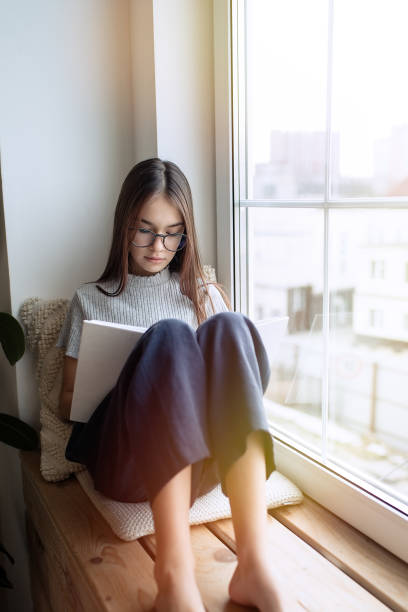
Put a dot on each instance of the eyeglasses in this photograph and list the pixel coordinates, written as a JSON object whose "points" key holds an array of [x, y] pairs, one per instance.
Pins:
{"points": [[145, 237]]}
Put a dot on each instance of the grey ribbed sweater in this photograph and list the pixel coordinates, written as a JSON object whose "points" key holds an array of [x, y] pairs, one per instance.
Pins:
{"points": [[144, 301]]}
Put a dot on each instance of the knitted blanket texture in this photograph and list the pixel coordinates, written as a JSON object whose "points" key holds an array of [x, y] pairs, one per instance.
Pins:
{"points": [[43, 320]]}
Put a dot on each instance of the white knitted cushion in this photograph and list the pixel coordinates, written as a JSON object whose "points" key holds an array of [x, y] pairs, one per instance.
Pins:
{"points": [[42, 320], [131, 521]]}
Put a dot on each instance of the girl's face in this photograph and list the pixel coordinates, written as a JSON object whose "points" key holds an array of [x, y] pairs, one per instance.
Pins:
{"points": [[161, 217]]}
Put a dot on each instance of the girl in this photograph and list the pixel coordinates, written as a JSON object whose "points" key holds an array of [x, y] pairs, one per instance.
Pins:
{"points": [[186, 412]]}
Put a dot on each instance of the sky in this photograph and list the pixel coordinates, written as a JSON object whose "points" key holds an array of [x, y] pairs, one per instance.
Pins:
{"points": [[287, 67]]}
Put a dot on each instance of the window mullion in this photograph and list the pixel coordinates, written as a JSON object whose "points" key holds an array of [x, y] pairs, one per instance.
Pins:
{"points": [[326, 290], [326, 336], [250, 262], [241, 96], [329, 101], [392, 202]]}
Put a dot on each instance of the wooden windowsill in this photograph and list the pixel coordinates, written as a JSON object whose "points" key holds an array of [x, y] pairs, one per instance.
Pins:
{"points": [[77, 563]]}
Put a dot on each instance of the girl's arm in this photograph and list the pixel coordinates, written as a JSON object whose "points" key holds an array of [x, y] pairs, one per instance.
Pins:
{"points": [[68, 379]]}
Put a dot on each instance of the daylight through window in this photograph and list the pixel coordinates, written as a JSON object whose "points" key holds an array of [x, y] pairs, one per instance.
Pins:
{"points": [[321, 167]]}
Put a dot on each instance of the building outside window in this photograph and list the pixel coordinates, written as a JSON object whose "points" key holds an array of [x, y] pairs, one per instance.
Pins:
{"points": [[377, 269], [376, 318], [320, 164]]}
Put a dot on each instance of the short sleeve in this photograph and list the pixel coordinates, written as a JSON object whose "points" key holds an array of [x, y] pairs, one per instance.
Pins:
{"points": [[217, 300], [70, 334]]}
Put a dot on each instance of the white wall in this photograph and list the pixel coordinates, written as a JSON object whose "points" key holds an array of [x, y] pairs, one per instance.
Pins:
{"points": [[143, 79], [89, 87], [66, 145], [173, 98], [66, 142], [183, 49]]}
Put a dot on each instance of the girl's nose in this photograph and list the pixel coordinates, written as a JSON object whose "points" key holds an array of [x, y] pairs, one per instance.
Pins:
{"points": [[157, 244]]}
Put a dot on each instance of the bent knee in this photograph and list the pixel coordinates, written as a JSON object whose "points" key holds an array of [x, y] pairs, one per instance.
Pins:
{"points": [[171, 326], [228, 320]]}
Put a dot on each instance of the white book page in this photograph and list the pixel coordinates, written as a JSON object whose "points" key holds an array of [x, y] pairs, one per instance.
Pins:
{"points": [[103, 352]]}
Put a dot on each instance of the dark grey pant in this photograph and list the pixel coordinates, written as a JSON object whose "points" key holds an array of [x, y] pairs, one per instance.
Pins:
{"points": [[183, 397]]}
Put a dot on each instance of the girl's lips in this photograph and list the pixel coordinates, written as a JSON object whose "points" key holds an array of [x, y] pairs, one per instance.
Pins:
{"points": [[154, 259]]}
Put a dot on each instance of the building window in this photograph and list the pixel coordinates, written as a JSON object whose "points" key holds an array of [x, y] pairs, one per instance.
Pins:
{"points": [[376, 319], [377, 269], [321, 183]]}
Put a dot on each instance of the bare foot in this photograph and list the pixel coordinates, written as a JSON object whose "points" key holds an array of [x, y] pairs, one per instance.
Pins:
{"points": [[253, 584], [178, 591]]}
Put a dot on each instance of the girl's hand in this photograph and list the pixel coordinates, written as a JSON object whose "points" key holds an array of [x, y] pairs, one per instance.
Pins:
{"points": [[67, 388]]}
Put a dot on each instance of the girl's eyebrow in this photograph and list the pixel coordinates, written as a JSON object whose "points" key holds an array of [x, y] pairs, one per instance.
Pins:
{"points": [[172, 225]]}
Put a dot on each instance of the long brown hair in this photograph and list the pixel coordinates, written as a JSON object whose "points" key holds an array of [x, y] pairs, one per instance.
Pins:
{"points": [[148, 179]]}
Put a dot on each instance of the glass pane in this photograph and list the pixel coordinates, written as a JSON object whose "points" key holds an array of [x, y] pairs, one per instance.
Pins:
{"points": [[370, 99], [285, 278], [368, 405], [286, 63]]}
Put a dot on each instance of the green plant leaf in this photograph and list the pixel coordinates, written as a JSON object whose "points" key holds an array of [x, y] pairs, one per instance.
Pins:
{"points": [[4, 581], [11, 337], [3, 550], [15, 432]]}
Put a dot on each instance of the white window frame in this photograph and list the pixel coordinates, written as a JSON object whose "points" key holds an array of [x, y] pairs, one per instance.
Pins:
{"points": [[353, 499]]}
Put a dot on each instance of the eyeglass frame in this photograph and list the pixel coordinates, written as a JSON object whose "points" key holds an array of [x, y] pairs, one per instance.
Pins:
{"points": [[162, 236]]}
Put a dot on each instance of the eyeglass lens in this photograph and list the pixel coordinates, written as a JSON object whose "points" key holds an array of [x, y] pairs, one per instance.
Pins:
{"points": [[172, 242]]}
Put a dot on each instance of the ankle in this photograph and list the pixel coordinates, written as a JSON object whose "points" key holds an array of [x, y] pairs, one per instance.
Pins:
{"points": [[253, 556], [252, 541], [167, 571]]}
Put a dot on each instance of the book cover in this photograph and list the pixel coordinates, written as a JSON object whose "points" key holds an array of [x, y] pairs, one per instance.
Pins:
{"points": [[103, 352]]}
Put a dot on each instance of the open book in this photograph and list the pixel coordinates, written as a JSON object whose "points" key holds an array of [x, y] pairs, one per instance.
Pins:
{"points": [[105, 348], [103, 352]]}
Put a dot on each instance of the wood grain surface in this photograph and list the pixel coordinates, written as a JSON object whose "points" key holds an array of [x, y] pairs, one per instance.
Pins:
{"points": [[376, 569], [305, 579], [77, 563]]}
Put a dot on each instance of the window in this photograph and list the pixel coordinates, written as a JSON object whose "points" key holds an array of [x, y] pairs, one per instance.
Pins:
{"points": [[376, 318], [320, 201], [377, 269]]}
